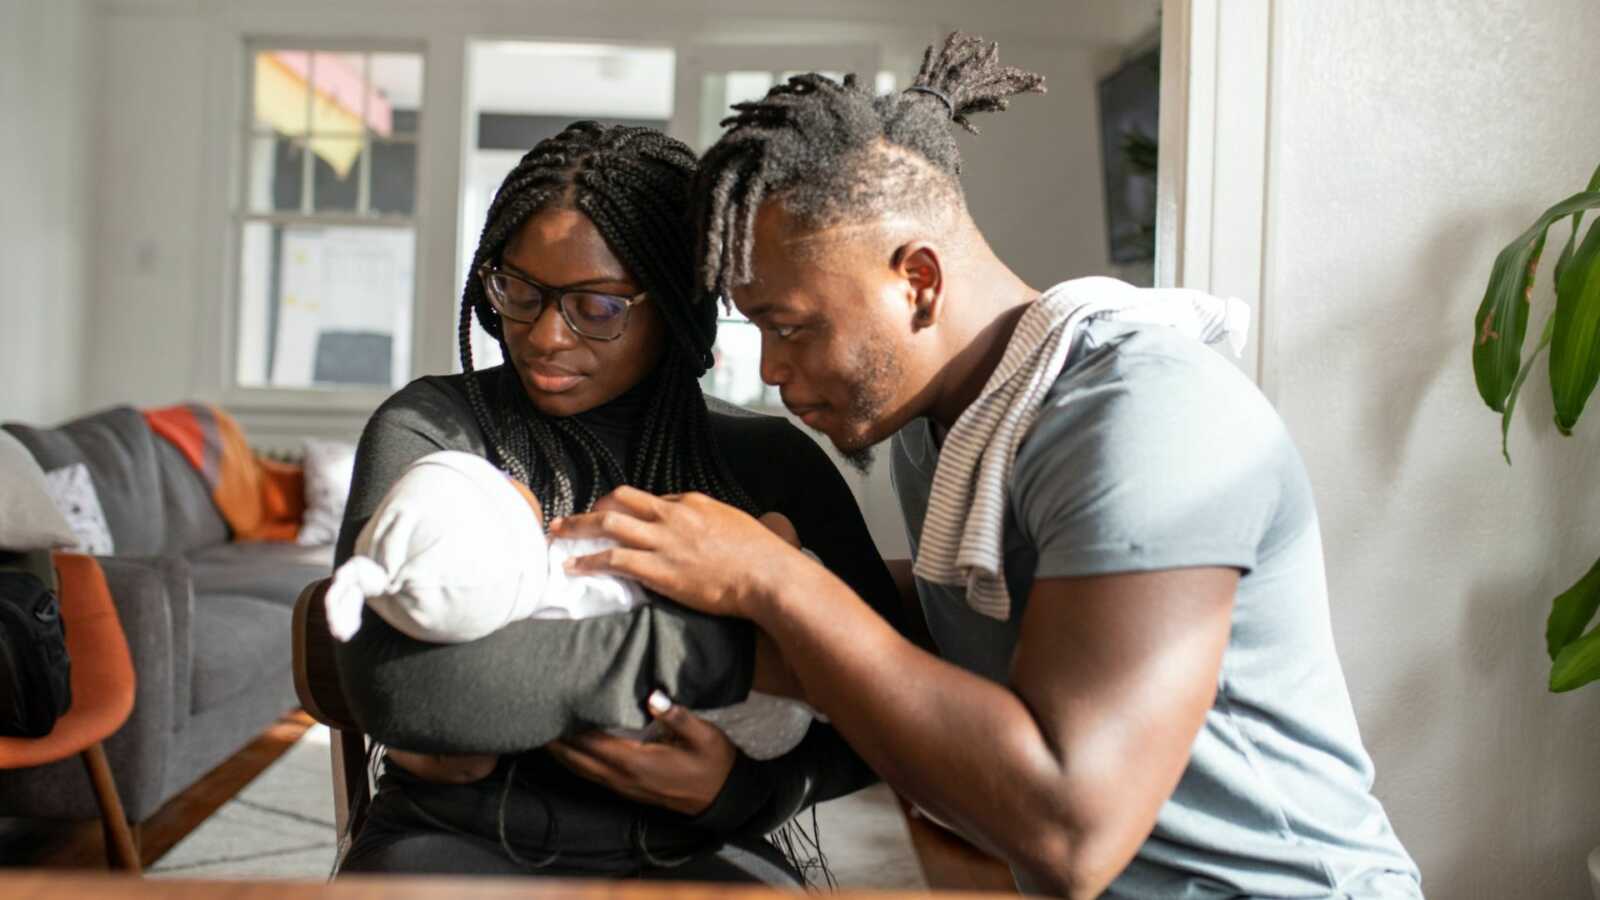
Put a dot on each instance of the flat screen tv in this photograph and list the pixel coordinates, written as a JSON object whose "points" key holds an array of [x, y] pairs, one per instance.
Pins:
{"points": [[1129, 111]]}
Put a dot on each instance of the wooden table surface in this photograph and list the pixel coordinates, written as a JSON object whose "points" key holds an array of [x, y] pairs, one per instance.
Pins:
{"points": [[40, 884]]}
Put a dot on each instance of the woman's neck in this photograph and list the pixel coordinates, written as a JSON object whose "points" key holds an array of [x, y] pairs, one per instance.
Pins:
{"points": [[616, 422]]}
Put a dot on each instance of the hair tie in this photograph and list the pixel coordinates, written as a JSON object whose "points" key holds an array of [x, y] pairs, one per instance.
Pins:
{"points": [[933, 91]]}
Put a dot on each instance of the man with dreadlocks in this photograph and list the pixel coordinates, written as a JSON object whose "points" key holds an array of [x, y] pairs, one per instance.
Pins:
{"points": [[1136, 692], [584, 274]]}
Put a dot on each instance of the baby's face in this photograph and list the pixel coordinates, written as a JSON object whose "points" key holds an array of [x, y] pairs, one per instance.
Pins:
{"points": [[533, 502]]}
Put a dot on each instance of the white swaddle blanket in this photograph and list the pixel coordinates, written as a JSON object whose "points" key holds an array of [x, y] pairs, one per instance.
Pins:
{"points": [[455, 552]]}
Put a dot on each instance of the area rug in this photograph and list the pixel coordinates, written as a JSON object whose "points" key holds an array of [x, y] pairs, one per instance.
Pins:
{"points": [[279, 826]]}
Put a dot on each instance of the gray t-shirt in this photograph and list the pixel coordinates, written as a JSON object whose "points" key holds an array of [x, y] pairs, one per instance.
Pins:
{"points": [[1152, 452]]}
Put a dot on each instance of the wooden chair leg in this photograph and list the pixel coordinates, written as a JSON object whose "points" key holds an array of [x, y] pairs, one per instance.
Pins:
{"points": [[351, 793], [121, 850]]}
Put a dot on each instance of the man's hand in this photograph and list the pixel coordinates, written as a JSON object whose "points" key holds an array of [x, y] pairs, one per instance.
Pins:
{"points": [[684, 770], [702, 553]]}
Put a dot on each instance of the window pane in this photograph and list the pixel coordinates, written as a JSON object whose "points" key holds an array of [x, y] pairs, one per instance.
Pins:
{"points": [[277, 171], [826, 73], [342, 96], [397, 78], [281, 91], [337, 184], [718, 92], [394, 177], [736, 374], [324, 307]]}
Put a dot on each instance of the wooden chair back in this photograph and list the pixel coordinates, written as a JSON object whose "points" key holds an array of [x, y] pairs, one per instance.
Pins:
{"points": [[316, 681]]}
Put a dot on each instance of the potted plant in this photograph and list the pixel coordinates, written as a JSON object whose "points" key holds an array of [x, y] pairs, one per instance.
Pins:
{"points": [[1572, 334]]}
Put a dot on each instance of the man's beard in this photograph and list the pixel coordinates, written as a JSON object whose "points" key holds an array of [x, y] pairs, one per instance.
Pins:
{"points": [[861, 458], [874, 373]]}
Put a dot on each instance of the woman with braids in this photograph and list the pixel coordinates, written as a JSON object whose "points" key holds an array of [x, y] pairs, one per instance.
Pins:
{"points": [[1137, 692], [584, 275]]}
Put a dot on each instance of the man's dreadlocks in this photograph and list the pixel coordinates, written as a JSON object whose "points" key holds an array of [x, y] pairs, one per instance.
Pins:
{"points": [[633, 184], [833, 152]]}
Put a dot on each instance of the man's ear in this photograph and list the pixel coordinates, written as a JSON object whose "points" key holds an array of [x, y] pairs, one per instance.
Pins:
{"points": [[918, 264]]}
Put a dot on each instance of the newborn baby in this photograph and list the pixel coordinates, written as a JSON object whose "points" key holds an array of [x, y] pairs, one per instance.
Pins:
{"points": [[457, 550]]}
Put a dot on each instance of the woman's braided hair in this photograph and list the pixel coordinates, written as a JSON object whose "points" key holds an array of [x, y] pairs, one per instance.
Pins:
{"points": [[833, 151], [633, 184]]}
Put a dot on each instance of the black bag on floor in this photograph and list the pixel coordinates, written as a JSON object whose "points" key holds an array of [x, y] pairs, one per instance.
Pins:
{"points": [[35, 672]]}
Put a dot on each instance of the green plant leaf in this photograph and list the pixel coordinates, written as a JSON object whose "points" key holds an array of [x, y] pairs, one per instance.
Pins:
{"points": [[1571, 612], [1502, 318], [1575, 347], [1578, 663], [1516, 386], [1577, 224]]}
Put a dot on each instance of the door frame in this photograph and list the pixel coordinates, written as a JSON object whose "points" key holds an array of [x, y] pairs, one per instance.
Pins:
{"points": [[1213, 176]]}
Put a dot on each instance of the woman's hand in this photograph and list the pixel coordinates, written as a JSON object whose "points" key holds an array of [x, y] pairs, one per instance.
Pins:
{"points": [[700, 552], [683, 770]]}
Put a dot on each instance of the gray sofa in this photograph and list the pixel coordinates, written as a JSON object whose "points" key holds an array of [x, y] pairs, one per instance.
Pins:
{"points": [[207, 620]]}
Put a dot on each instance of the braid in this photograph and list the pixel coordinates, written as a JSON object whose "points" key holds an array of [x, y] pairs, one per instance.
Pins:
{"points": [[832, 151], [633, 184]]}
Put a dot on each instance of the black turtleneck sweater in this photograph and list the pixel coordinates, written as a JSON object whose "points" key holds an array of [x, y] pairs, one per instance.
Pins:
{"points": [[536, 680]]}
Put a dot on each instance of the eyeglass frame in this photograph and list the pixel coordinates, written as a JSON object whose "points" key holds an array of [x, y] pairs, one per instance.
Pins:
{"points": [[628, 303]]}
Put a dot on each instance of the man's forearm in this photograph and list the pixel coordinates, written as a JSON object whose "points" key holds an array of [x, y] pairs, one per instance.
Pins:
{"points": [[965, 748]]}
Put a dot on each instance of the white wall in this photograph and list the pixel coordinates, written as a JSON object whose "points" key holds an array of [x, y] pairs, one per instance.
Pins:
{"points": [[1408, 143], [150, 226], [46, 57], [1033, 177]]}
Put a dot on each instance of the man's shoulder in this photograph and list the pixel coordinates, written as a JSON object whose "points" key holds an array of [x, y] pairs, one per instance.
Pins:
{"points": [[1151, 383], [1152, 360], [1147, 404], [1152, 451]]}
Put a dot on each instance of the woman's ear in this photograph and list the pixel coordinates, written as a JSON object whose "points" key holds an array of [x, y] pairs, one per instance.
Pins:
{"points": [[917, 263]]}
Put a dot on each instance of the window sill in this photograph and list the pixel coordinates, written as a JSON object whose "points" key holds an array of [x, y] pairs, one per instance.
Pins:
{"points": [[334, 402]]}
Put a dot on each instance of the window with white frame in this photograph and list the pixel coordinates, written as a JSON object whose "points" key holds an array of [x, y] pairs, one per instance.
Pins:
{"points": [[326, 219]]}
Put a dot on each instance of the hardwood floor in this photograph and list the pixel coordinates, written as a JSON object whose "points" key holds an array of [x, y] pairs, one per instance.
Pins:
{"points": [[81, 845]]}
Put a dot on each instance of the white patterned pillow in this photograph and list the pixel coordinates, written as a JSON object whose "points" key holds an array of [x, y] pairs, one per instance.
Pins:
{"points": [[329, 466], [72, 491]]}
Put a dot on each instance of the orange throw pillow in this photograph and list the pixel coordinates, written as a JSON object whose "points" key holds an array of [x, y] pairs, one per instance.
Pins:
{"points": [[283, 500]]}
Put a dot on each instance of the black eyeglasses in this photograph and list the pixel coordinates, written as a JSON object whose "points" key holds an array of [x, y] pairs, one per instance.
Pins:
{"points": [[593, 314]]}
